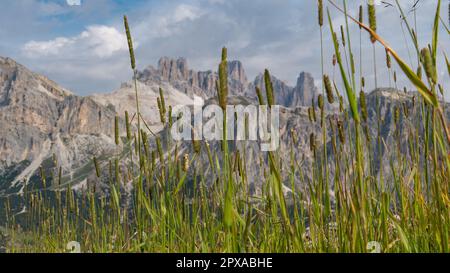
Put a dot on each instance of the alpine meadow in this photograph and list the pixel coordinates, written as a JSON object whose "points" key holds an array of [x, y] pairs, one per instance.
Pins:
{"points": [[350, 168]]}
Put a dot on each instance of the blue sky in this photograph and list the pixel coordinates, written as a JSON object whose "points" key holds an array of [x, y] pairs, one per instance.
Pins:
{"points": [[84, 49]]}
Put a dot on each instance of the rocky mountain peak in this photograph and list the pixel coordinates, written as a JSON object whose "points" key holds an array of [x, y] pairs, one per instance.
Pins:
{"points": [[176, 71], [236, 72], [300, 95], [15, 79], [7, 62], [305, 90], [36, 114], [173, 69], [9, 70], [305, 79], [281, 89]]}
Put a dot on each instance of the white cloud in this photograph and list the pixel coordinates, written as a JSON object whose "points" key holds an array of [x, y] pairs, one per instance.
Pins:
{"points": [[186, 12], [73, 2], [98, 41], [45, 48], [280, 35], [168, 22]]}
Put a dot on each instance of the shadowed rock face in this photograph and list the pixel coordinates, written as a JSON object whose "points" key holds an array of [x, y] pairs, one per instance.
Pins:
{"points": [[287, 96], [28, 112], [304, 92], [173, 70], [236, 72]]}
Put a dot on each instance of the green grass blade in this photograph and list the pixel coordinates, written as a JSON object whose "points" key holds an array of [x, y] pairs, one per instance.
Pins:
{"points": [[448, 64], [436, 32]]}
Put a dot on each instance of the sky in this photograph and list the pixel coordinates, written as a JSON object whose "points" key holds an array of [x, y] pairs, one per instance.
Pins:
{"points": [[81, 43]]}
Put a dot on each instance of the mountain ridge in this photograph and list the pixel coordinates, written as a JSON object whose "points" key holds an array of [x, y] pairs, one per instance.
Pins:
{"points": [[40, 119], [203, 83], [44, 124]]}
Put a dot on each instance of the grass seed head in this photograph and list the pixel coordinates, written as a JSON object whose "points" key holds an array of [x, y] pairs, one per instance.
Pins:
{"points": [[42, 174], [160, 149], [335, 40], [312, 142], [320, 17], [320, 102], [328, 89], [116, 130], [294, 136], [362, 101], [396, 115], [313, 111], [60, 176], [311, 114], [130, 43], [223, 80], [144, 140], [419, 72], [163, 101], [405, 109], [153, 160], [128, 127], [259, 94], [185, 163], [117, 170], [342, 35], [341, 131], [388, 59], [162, 115], [224, 54], [170, 117], [196, 144], [372, 19], [269, 88], [427, 62], [361, 15]]}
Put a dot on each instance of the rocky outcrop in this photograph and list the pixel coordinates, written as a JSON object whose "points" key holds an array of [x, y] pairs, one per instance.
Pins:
{"points": [[28, 111], [203, 83], [191, 82], [39, 119], [237, 78], [172, 70], [281, 89], [124, 99], [285, 95], [304, 92]]}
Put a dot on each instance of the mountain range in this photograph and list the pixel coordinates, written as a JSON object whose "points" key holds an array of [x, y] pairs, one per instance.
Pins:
{"points": [[41, 121], [47, 128]]}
